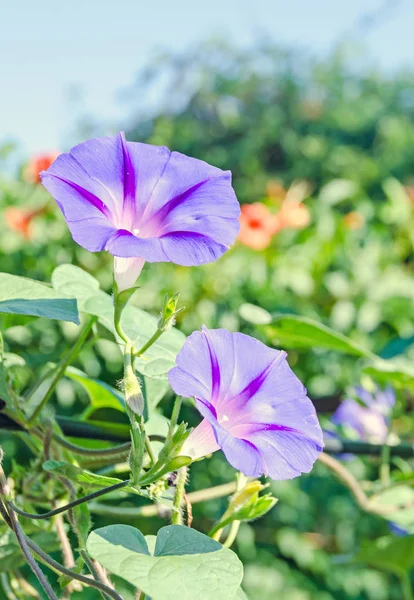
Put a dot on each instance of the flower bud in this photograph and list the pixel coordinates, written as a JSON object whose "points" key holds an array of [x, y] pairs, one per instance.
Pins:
{"points": [[133, 393], [169, 312]]}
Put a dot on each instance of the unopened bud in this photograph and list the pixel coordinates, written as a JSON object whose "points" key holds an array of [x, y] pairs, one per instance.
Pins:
{"points": [[169, 312], [133, 393]]}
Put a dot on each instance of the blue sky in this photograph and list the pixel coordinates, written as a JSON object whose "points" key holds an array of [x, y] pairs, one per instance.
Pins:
{"points": [[48, 46]]}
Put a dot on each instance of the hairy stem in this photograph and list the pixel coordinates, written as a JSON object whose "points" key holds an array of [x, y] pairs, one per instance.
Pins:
{"points": [[177, 517], [68, 558], [62, 509], [152, 510], [53, 564], [94, 571], [24, 546]]}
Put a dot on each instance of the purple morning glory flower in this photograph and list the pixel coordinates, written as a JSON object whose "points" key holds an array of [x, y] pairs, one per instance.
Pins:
{"points": [[254, 407], [369, 420], [143, 203]]}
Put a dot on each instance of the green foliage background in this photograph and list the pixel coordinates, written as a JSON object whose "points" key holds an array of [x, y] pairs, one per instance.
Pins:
{"points": [[266, 114]]}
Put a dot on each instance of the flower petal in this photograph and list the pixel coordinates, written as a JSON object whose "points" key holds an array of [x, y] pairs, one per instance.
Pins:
{"points": [[285, 454], [127, 271], [179, 174], [200, 442], [145, 201], [258, 409], [192, 377]]}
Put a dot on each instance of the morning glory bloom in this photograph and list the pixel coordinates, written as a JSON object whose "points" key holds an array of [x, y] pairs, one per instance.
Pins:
{"points": [[254, 407], [367, 419], [143, 203]]}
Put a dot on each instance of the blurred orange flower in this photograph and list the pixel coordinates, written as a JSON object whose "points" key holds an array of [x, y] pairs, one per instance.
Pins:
{"points": [[20, 220], [354, 220], [294, 215], [257, 225], [39, 162]]}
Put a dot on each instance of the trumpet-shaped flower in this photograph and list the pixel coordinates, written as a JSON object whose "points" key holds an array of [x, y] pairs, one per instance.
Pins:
{"points": [[254, 407], [143, 203], [368, 419]]}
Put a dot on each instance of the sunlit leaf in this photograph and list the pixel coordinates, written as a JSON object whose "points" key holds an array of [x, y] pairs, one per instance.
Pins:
{"points": [[22, 296], [182, 563], [291, 331], [137, 324]]}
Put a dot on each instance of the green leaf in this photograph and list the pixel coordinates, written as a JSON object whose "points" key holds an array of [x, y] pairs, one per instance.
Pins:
{"points": [[137, 324], [292, 331], [158, 471], [247, 505], [154, 391], [78, 475], [4, 392], [11, 557], [401, 500], [22, 296], [184, 564], [255, 314], [396, 346], [397, 372], [101, 394], [391, 554], [83, 522]]}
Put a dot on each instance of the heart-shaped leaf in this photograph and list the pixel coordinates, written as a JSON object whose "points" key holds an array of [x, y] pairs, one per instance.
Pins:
{"points": [[137, 324], [183, 563]]}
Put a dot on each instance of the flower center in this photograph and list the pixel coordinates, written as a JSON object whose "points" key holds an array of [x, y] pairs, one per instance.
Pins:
{"points": [[255, 224]]}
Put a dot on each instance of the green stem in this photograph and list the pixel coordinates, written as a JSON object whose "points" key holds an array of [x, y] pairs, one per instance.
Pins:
{"points": [[118, 308], [91, 452], [149, 449], [7, 587], [61, 509], [89, 563], [234, 530], [55, 566], [152, 510], [148, 344], [62, 368], [12, 522], [177, 518], [406, 587], [385, 465], [128, 365], [175, 413]]}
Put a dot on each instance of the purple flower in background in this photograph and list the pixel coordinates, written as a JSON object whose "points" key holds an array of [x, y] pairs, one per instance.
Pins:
{"points": [[369, 418], [254, 407], [143, 203]]}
